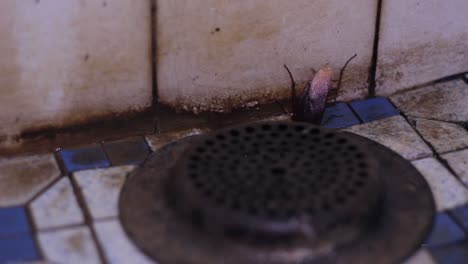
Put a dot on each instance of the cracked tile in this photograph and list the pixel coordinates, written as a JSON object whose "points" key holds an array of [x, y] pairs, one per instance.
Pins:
{"points": [[101, 188], [443, 101], [56, 207], [157, 141], [73, 245], [442, 136], [458, 161], [22, 178], [118, 248], [448, 191], [395, 133]]}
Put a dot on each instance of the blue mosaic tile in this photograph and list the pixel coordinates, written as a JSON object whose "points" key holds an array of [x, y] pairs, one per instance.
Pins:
{"points": [[461, 215], [445, 231], [83, 158], [339, 116], [18, 248], [451, 254], [125, 152], [374, 109], [13, 220]]}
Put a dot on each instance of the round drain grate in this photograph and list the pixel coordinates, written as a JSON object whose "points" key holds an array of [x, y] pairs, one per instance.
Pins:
{"points": [[277, 181], [276, 193]]}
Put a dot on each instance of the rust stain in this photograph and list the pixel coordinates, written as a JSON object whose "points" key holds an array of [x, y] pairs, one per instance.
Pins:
{"points": [[113, 120], [390, 68], [226, 104], [10, 71], [76, 241]]}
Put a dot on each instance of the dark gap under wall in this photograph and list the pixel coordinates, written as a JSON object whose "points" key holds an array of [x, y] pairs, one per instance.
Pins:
{"points": [[154, 65], [373, 68]]}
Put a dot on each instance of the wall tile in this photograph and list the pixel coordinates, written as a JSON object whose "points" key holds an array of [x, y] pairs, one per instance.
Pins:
{"points": [[420, 41], [65, 62], [234, 54]]}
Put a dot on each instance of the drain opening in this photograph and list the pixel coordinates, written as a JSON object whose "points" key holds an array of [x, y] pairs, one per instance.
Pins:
{"points": [[277, 193], [278, 181]]}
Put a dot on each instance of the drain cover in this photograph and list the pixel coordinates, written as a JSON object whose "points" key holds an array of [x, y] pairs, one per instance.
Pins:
{"points": [[276, 193]]}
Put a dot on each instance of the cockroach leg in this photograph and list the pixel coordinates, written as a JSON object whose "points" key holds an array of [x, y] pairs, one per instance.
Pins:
{"points": [[314, 71], [338, 86], [293, 85], [285, 110]]}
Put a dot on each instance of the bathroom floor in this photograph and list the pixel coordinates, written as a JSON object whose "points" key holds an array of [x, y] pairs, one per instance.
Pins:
{"points": [[62, 207]]}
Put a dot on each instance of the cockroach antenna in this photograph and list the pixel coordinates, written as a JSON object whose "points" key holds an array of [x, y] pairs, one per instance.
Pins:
{"points": [[340, 78], [293, 86]]}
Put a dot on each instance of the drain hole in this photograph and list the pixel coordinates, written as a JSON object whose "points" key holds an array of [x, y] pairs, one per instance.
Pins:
{"points": [[278, 171], [197, 218], [273, 174]]}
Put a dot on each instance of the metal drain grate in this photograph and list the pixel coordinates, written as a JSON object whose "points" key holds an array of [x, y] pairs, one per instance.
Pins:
{"points": [[276, 193], [276, 181]]}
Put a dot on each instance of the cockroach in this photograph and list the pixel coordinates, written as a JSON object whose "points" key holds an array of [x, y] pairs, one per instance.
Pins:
{"points": [[310, 105]]}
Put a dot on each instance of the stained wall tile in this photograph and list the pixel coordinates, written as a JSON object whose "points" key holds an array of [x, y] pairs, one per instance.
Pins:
{"points": [[234, 54], [66, 62], [420, 41]]}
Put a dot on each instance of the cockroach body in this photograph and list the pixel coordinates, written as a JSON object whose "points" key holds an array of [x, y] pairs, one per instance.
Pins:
{"points": [[309, 106]]}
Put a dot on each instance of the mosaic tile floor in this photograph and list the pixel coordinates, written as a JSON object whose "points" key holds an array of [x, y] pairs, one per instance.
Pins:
{"points": [[62, 207]]}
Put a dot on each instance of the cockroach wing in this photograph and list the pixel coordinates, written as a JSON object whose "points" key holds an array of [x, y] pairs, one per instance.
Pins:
{"points": [[311, 105]]}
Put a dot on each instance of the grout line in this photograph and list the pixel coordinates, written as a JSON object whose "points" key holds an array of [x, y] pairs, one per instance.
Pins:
{"points": [[27, 206], [59, 228], [455, 219], [373, 68], [355, 114], [453, 77], [154, 64], [87, 217], [434, 152], [34, 231], [101, 145], [465, 77]]}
